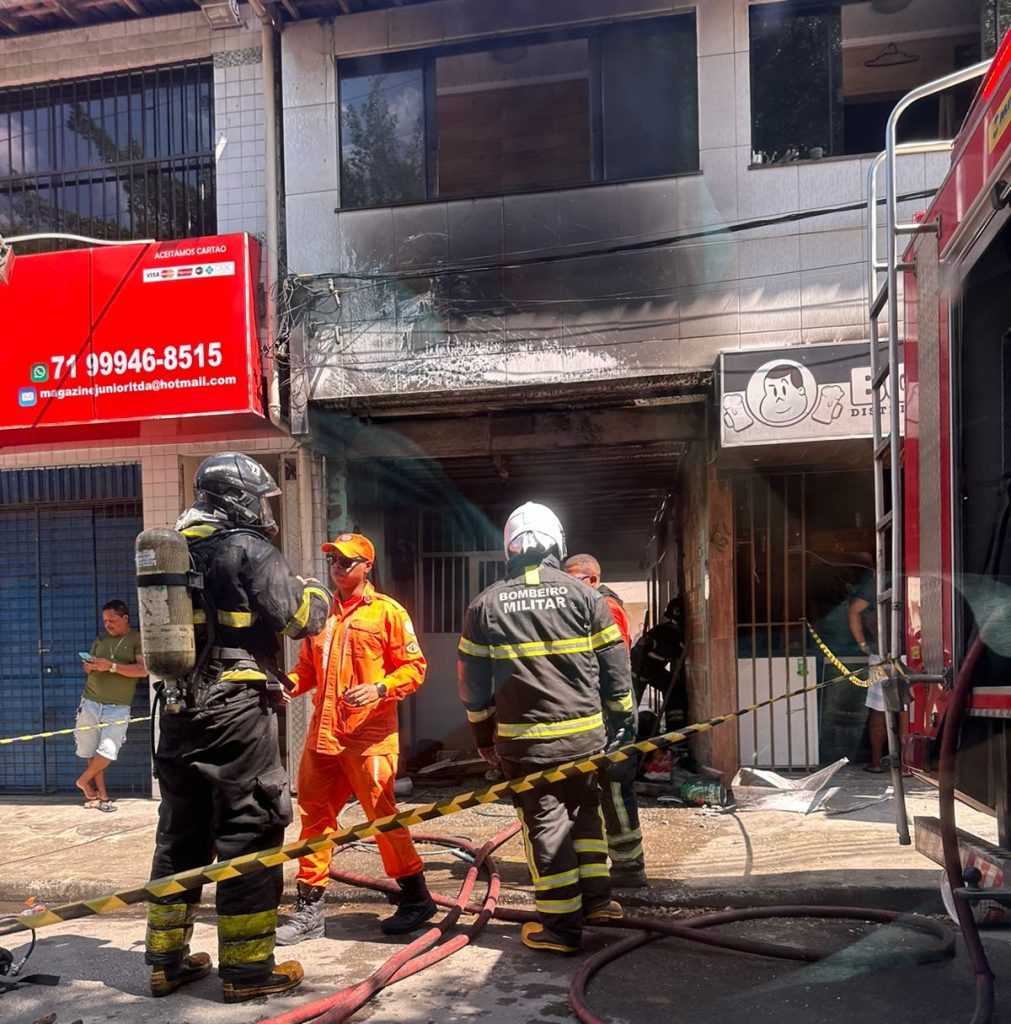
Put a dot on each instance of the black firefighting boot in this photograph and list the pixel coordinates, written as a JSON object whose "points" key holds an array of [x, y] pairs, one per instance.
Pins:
{"points": [[282, 978], [307, 920], [415, 908], [246, 957], [169, 929], [165, 980]]}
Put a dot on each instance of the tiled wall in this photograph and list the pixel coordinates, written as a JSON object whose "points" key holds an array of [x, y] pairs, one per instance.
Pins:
{"points": [[160, 466], [797, 283], [119, 46]]}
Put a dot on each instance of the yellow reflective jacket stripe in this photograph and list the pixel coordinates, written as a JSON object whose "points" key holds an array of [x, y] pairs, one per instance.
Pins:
{"points": [[474, 650], [301, 616], [240, 620], [532, 575], [242, 675], [605, 637], [623, 703], [541, 648], [480, 716], [549, 730], [199, 531]]}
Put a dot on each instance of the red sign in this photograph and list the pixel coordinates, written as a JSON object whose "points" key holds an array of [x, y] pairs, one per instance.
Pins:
{"points": [[131, 332]]}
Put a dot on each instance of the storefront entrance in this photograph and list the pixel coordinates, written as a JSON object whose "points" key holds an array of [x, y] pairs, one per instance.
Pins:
{"points": [[804, 549], [66, 548]]}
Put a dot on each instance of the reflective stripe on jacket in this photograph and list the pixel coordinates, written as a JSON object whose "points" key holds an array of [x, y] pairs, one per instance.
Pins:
{"points": [[372, 643], [255, 594], [540, 665]]}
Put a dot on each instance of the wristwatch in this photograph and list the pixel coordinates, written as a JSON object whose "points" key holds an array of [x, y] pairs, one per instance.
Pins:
{"points": [[863, 645], [382, 690], [113, 667]]}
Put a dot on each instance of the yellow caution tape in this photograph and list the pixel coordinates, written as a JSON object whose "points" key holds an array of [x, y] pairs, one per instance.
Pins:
{"points": [[251, 862], [835, 662], [76, 728]]}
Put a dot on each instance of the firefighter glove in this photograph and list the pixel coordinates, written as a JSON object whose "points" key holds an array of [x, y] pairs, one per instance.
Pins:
{"points": [[620, 731]]}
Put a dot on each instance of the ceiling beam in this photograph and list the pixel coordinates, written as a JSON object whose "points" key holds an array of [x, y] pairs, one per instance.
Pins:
{"points": [[136, 7], [343, 5], [291, 8]]}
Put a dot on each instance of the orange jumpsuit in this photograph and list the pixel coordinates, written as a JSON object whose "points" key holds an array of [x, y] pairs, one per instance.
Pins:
{"points": [[352, 751]]}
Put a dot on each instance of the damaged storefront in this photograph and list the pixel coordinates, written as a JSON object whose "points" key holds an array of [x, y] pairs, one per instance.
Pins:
{"points": [[795, 454]]}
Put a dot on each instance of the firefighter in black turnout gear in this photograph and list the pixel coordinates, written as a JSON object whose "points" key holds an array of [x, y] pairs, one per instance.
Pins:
{"points": [[224, 791], [544, 676]]}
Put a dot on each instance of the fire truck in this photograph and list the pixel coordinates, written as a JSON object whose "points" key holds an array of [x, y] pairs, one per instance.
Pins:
{"points": [[940, 288]]}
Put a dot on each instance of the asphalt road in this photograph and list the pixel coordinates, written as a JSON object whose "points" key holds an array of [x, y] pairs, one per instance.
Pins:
{"points": [[103, 978]]}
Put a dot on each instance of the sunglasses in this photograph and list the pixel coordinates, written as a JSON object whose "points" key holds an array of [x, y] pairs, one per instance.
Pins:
{"points": [[344, 563]]}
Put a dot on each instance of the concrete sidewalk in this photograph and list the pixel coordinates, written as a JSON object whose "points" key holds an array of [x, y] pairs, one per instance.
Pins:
{"points": [[58, 851]]}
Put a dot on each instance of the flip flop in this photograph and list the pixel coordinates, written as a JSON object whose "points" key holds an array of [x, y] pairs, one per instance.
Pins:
{"points": [[107, 806], [92, 803], [875, 769]]}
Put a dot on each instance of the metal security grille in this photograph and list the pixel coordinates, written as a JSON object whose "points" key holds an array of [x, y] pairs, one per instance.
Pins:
{"points": [[126, 155], [804, 550], [459, 558], [60, 564], [770, 530]]}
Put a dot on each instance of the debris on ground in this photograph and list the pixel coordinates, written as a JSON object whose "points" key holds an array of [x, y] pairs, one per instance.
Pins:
{"points": [[757, 789]]}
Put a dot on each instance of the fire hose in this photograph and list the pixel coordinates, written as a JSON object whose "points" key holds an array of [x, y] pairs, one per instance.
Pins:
{"points": [[427, 949]]}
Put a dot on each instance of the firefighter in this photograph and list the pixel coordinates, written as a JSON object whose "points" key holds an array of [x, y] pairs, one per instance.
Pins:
{"points": [[544, 678], [617, 782], [223, 788], [359, 668]]}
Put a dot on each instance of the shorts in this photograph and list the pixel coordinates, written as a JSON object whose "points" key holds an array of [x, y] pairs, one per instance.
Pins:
{"points": [[104, 742], [875, 697]]}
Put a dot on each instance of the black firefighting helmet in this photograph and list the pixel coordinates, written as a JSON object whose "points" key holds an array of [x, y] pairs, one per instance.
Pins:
{"points": [[239, 487]]}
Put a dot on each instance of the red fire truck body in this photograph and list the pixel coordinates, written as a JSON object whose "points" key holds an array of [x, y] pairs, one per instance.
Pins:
{"points": [[956, 459]]}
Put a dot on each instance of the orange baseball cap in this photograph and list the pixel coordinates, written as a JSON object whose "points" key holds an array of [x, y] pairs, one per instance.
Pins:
{"points": [[351, 545]]}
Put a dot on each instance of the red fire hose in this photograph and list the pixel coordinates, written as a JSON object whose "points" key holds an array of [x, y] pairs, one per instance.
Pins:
{"points": [[426, 950], [949, 834]]}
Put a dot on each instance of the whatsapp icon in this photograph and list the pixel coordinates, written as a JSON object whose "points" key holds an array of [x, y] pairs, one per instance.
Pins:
{"points": [[40, 373]]}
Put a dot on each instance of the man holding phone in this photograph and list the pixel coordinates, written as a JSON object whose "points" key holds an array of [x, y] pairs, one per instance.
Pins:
{"points": [[114, 665]]}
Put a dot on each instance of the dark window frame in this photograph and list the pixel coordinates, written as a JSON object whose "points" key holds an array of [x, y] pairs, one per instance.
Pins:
{"points": [[424, 58], [163, 155], [807, 7]]}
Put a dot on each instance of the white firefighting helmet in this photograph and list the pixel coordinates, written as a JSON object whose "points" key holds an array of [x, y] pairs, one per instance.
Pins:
{"points": [[533, 527]]}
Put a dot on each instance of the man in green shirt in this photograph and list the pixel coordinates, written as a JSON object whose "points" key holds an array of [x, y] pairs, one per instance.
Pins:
{"points": [[113, 670]]}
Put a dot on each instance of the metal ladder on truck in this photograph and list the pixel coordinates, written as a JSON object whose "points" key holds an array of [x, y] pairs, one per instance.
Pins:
{"points": [[886, 386]]}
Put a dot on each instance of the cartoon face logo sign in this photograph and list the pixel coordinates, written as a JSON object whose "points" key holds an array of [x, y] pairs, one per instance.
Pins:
{"points": [[781, 393]]}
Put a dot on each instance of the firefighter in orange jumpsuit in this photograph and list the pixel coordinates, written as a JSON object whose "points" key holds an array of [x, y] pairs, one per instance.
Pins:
{"points": [[358, 668]]}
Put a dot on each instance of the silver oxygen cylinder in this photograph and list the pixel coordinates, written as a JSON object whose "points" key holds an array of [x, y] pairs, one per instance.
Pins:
{"points": [[166, 610]]}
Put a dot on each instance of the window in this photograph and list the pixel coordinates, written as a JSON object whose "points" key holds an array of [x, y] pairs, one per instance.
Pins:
{"points": [[607, 104], [826, 75], [122, 156]]}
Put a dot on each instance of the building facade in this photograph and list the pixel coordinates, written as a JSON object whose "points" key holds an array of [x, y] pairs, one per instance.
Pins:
{"points": [[147, 127], [561, 251], [567, 251]]}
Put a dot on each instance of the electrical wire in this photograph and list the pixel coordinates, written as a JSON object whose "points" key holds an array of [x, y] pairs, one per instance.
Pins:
{"points": [[527, 258]]}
